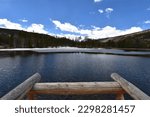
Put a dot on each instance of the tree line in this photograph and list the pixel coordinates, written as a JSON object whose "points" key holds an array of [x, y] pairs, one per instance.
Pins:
{"points": [[22, 39]]}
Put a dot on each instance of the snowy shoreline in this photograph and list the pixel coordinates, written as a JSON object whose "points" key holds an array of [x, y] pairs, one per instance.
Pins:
{"points": [[80, 50]]}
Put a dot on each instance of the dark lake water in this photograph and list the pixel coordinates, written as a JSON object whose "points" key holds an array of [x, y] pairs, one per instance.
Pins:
{"points": [[73, 67]]}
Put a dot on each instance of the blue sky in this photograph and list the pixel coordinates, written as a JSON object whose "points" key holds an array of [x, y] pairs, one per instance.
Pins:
{"points": [[74, 18]]}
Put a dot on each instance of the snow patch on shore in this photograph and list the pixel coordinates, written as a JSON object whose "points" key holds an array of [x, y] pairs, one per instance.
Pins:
{"points": [[78, 50]]}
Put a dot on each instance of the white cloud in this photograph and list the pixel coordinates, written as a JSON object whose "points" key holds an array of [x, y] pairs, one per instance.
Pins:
{"points": [[132, 30], [109, 10], [98, 0], [96, 32], [24, 20], [147, 22], [73, 31], [65, 26], [4, 23], [95, 27], [100, 11], [109, 31], [39, 28]]}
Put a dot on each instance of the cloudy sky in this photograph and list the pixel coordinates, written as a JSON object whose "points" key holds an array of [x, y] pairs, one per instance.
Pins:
{"points": [[71, 18]]}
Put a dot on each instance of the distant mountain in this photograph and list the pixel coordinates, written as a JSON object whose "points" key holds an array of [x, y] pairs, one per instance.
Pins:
{"points": [[135, 40], [21, 39], [145, 35]]}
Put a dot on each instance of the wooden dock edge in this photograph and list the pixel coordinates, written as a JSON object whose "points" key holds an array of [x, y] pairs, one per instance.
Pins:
{"points": [[21, 90], [76, 88], [131, 89], [31, 88]]}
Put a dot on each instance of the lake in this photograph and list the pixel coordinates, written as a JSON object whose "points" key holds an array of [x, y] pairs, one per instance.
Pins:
{"points": [[73, 67]]}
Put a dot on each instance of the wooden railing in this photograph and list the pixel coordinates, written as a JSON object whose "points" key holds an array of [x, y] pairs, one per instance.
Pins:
{"points": [[21, 90], [31, 88], [76, 88], [131, 89]]}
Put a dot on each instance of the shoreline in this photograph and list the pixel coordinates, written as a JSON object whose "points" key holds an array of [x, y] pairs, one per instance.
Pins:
{"points": [[21, 49], [110, 51]]}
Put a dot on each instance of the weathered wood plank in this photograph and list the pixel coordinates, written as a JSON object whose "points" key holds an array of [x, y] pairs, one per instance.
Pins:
{"points": [[131, 89], [77, 88], [24, 94], [19, 91]]}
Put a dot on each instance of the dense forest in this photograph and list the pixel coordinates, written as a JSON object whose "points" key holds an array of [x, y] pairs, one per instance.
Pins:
{"points": [[22, 39]]}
